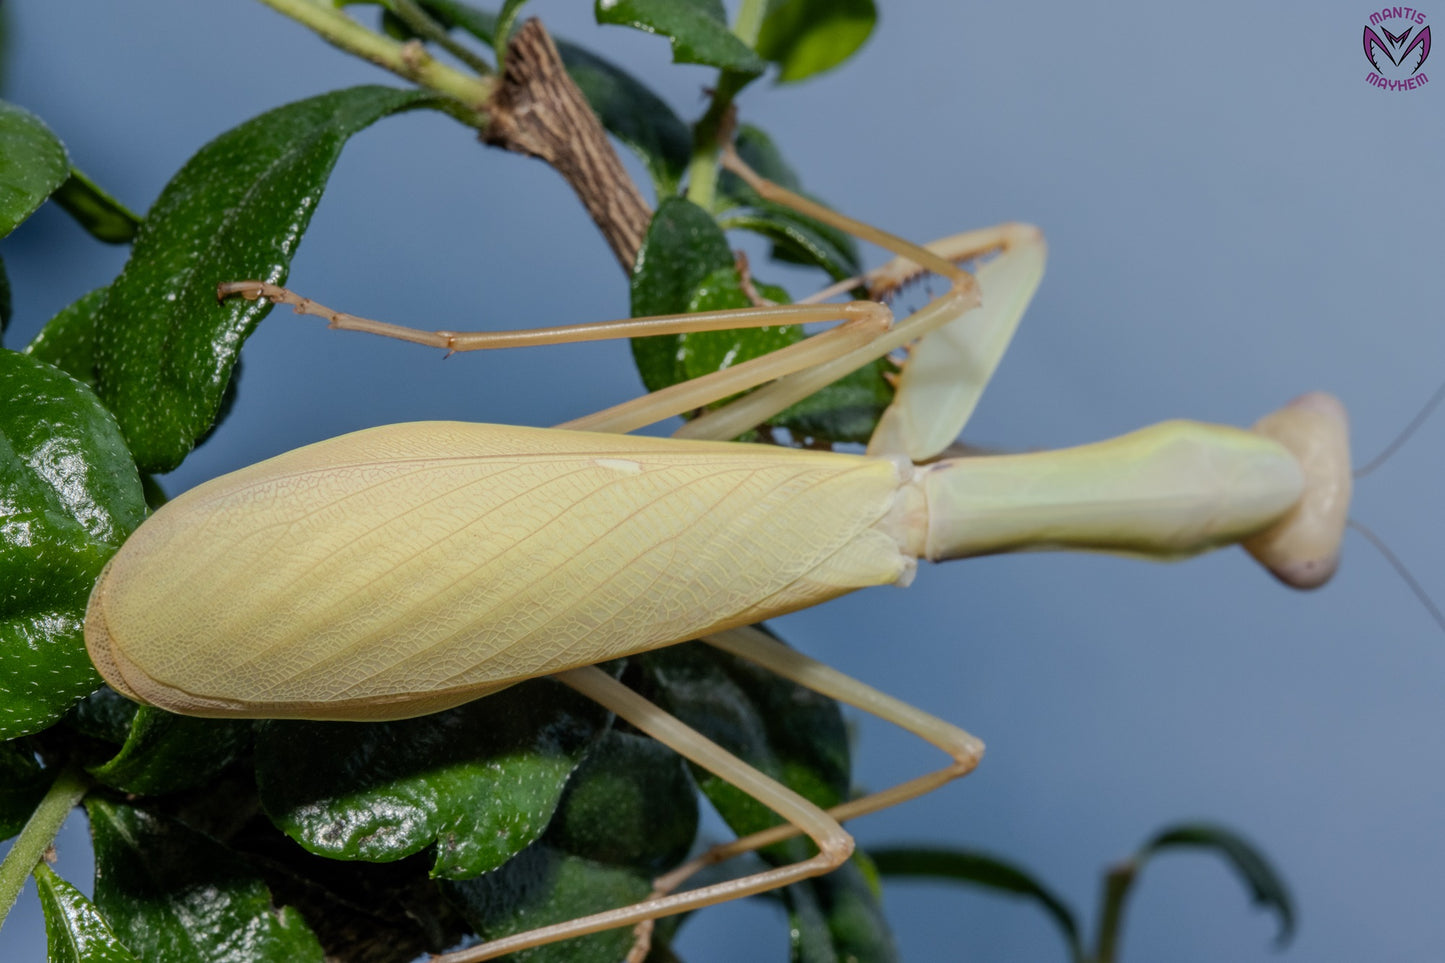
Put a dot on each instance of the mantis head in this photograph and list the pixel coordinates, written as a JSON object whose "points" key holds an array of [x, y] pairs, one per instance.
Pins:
{"points": [[1302, 549]]}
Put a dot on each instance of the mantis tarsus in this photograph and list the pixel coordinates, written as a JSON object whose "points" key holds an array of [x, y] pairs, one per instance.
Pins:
{"points": [[410, 568]]}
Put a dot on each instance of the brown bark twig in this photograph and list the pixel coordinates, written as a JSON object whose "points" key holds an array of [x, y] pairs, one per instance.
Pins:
{"points": [[537, 110]]}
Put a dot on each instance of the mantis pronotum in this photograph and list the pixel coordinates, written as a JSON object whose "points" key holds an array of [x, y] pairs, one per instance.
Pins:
{"points": [[333, 582]]}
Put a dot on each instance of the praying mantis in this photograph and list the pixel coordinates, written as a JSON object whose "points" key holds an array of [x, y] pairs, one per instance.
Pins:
{"points": [[346, 593]]}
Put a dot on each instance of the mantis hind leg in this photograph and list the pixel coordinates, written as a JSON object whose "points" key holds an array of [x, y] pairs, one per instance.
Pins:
{"points": [[834, 844], [754, 645]]}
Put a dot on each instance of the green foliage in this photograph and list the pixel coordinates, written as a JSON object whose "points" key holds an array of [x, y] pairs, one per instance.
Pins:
{"points": [[22, 783], [75, 932], [1265, 884], [71, 495], [807, 37], [106, 218], [221, 840], [173, 894], [697, 29], [33, 164], [383, 791]]}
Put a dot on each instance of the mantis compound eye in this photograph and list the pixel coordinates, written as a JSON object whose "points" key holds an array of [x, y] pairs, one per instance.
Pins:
{"points": [[1302, 550]]}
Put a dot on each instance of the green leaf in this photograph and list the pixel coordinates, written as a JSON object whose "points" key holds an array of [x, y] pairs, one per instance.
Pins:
{"points": [[71, 495], [978, 869], [544, 885], [634, 115], [479, 23], [698, 30], [838, 918], [75, 932], [683, 246], [32, 165], [236, 210], [845, 411], [22, 784], [68, 339], [703, 352], [106, 218], [480, 781], [807, 37], [164, 752], [175, 895], [629, 813], [631, 803], [1266, 886]]}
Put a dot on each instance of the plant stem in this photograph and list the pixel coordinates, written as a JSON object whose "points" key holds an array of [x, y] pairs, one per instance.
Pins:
{"points": [[416, 18], [702, 170], [1117, 882], [409, 60], [39, 832]]}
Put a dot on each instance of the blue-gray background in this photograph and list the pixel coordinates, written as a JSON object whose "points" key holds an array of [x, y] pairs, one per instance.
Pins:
{"points": [[1234, 216]]}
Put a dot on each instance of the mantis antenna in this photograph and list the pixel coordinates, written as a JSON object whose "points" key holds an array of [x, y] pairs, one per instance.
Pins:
{"points": [[1395, 562]]}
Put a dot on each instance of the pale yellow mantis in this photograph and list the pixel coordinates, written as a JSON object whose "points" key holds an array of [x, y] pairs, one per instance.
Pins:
{"points": [[410, 568]]}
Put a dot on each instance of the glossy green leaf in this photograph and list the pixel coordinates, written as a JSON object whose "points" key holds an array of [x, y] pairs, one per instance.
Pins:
{"points": [[236, 210], [175, 895], [683, 246], [75, 932], [1266, 886], [480, 782], [845, 411], [807, 37], [704, 352], [164, 752], [32, 165], [69, 495], [838, 918], [68, 339], [698, 31], [22, 784], [978, 869], [106, 218], [545, 885]]}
